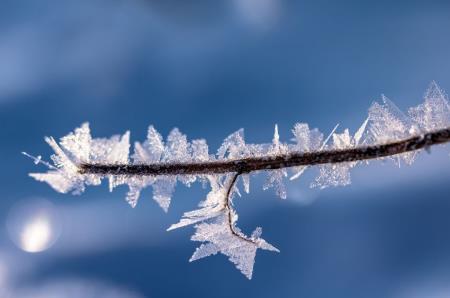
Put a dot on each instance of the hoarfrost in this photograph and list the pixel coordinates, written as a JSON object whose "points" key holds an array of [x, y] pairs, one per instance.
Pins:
{"points": [[233, 146], [212, 206], [177, 149], [79, 147], [307, 140], [275, 177], [215, 219], [241, 251], [434, 113], [213, 222], [339, 174], [386, 123], [246, 182]]}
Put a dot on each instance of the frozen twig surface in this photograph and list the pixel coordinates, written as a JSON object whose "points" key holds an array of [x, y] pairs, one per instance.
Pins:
{"points": [[387, 133], [276, 161]]}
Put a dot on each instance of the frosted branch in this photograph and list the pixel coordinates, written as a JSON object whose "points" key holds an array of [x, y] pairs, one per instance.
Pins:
{"points": [[79, 160], [274, 162]]}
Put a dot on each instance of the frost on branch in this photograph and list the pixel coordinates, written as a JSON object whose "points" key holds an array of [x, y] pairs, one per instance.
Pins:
{"points": [[215, 219], [307, 140], [153, 150], [276, 177], [434, 113], [339, 174], [216, 227], [79, 147], [386, 123], [218, 236], [234, 147], [211, 207]]}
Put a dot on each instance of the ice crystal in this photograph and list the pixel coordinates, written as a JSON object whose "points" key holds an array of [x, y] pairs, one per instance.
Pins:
{"points": [[215, 219], [233, 146], [153, 150], [275, 177], [150, 151], [339, 174], [386, 123], [212, 206], [434, 113], [80, 147], [307, 140], [246, 182], [219, 238], [214, 223]]}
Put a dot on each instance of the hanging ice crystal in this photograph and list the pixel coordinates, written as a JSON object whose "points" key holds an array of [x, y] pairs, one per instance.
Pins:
{"points": [[163, 189], [434, 113], [246, 182], [219, 238], [212, 206], [216, 225], [275, 177]]}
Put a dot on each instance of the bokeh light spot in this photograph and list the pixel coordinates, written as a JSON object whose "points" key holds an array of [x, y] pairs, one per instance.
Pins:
{"points": [[34, 225]]}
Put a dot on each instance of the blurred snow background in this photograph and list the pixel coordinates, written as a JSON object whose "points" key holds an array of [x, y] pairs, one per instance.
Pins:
{"points": [[211, 68]]}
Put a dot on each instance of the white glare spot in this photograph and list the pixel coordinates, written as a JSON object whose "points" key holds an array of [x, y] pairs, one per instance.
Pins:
{"points": [[36, 235], [33, 225]]}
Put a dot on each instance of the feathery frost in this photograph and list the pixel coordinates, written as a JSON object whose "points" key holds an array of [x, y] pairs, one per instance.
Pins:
{"points": [[215, 219]]}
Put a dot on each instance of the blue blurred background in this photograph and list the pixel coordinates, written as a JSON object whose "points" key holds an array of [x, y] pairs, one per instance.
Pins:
{"points": [[210, 68]]}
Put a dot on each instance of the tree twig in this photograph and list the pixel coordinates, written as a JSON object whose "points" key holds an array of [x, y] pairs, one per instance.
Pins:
{"points": [[247, 165], [229, 209]]}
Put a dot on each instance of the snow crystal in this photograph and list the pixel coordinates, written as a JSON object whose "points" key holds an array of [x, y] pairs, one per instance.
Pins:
{"points": [[246, 182], [387, 123], [150, 151], [212, 206], [215, 219], [78, 143], [307, 140], [219, 237], [200, 150], [233, 147], [203, 251], [213, 227], [275, 177], [339, 174], [177, 149], [80, 147], [434, 113]]}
